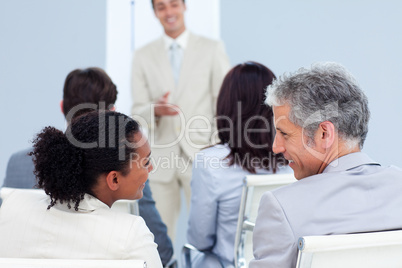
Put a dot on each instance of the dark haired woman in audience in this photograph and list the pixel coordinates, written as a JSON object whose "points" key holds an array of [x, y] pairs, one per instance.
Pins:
{"points": [[245, 130], [102, 157]]}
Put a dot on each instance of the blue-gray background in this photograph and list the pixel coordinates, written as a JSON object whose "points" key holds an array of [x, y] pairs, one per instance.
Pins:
{"points": [[364, 36]]}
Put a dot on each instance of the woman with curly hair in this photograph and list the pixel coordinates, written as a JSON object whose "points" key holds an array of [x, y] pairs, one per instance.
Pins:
{"points": [[245, 130], [102, 157]]}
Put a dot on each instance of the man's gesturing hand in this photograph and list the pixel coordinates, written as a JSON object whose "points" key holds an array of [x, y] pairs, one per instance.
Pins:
{"points": [[162, 107]]}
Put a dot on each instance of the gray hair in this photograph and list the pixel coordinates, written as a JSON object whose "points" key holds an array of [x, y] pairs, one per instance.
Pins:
{"points": [[325, 92]]}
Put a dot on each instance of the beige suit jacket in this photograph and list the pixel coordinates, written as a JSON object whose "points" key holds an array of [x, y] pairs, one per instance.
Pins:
{"points": [[203, 68], [29, 230]]}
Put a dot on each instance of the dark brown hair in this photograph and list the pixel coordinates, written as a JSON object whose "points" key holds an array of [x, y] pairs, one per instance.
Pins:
{"points": [[152, 2], [88, 86], [240, 107]]}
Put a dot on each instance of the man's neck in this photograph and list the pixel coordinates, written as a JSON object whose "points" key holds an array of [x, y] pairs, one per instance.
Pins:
{"points": [[341, 150], [175, 34]]}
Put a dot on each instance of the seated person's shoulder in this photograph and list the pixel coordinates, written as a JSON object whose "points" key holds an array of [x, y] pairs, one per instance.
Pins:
{"points": [[21, 155], [19, 199], [218, 151], [19, 173]]}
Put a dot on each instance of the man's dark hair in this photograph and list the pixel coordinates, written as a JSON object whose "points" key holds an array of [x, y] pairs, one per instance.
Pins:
{"points": [[88, 86], [152, 2]]}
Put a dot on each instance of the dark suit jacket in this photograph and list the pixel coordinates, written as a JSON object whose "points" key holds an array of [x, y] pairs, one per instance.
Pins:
{"points": [[19, 174]]}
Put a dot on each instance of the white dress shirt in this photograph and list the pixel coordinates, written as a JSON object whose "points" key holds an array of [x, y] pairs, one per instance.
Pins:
{"points": [[181, 40]]}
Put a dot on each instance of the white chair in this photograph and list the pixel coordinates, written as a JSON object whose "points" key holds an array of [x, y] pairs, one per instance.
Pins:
{"points": [[187, 255], [69, 263], [6, 191], [253, 188], [368, 250], [128, 206]]}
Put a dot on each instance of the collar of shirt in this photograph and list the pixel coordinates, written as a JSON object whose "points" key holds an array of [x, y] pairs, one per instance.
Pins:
{"points": [[88, 204], [181, 40], [91, 203], [349, 161]]}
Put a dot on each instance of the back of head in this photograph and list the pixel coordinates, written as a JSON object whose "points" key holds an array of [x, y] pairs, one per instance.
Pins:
{"points": [[326, 92], [243, 121], [90, 88], [67, 165]]}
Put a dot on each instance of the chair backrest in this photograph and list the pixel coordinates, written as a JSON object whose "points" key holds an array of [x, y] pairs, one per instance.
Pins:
{"points": [[369, 250], [254, 186], [69, 263], [6, 191], [127, 206]]}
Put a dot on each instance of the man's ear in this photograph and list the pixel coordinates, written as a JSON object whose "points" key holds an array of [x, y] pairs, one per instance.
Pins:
{"points": [[112, 180], [327, 134], [61, 106]]}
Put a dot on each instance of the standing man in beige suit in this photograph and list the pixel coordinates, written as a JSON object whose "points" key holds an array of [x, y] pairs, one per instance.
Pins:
{"points": [[175, 84]]}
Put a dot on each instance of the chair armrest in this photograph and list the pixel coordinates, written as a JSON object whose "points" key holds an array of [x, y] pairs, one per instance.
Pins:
{"points": [[248, 226], [171, 264], [186, 253]]}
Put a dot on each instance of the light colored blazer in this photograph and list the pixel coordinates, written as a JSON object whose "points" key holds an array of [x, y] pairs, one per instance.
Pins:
{"points": [[203, 68], [354, 195], [29, 230]]}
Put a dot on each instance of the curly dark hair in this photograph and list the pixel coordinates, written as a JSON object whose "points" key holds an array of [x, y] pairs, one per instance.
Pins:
{"points": [[241, 100], [68, 165]]}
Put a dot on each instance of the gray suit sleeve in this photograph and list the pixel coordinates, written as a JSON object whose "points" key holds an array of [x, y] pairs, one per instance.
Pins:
{"points": [[154, 222], [19, 173], [274, 244]]}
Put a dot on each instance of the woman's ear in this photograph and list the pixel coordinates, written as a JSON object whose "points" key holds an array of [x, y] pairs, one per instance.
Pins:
{"points": [[61, 106], [112, 180]]}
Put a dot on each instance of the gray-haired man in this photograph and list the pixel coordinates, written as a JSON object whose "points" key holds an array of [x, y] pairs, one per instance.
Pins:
{"points": [[321, 119]]}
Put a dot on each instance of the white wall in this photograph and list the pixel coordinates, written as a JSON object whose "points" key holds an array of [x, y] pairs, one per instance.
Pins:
{"points": [[363, 35], [119, 33]]}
